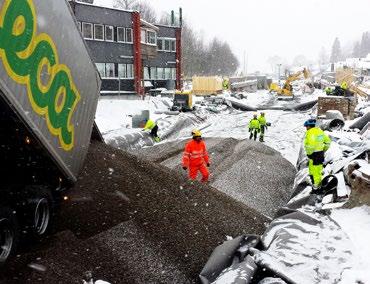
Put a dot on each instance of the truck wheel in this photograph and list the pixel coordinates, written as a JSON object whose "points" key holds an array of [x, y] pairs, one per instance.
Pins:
{"points": [[40, 207], [9, 233]]}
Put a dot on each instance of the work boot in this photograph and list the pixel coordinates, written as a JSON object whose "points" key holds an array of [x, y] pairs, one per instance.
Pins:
{"points": [[317, 189]]}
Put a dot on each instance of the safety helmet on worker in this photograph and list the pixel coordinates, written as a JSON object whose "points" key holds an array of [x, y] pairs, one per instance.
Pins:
{"points": [[196, 133], [310, 123]]}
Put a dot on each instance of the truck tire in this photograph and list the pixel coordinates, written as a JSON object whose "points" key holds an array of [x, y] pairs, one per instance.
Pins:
{"points": [[9, 233], [39, 210]]}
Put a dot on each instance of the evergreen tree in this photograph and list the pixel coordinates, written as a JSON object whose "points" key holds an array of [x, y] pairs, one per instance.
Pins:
{"points": [[336, 51]]}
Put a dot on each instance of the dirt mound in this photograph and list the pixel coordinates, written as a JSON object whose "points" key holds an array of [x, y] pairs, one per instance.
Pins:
{"points": [[249, 171], [134, 222]]}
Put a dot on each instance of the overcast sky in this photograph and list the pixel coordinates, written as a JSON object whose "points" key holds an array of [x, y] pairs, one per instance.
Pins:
{"points": [[264, 28]]}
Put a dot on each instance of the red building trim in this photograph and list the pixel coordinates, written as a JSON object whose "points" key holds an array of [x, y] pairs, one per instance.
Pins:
{"points": [[138, 77], [178, 59]]}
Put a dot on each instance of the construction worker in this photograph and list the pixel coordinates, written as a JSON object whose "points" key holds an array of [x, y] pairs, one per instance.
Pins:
{"points": [[328, 91], [225, 84], [344, 85], [153, 127], [254, 127], [263, 125], [316, 142], [195, 157]]}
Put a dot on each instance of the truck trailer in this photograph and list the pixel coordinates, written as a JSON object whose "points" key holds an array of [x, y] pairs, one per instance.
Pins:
{"points": [[49, 90]]}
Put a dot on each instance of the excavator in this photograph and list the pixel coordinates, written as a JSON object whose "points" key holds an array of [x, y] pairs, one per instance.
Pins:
{"points": [[286, 92]]}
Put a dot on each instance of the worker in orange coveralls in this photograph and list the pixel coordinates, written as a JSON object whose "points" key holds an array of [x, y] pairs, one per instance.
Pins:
{"points": [[196, 157]]}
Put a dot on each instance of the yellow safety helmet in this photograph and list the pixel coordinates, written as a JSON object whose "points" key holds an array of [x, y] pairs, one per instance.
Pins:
{"points": [[196, 133]]}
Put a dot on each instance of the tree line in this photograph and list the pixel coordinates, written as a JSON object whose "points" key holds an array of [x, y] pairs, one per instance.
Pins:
{"points": [[361, 48], [198, 57]]}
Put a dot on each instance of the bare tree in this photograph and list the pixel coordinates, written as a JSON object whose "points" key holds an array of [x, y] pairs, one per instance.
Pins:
{"points": [[146, 10]]}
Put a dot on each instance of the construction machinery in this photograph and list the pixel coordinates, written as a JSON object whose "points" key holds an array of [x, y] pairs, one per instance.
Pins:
{"points": [[286, 92], [49, 90], [182, 101]]}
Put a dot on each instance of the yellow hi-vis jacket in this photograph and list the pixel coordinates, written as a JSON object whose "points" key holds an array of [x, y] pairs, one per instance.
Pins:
{"points": [[316, 140], [254, 124], [262, 120], [149, 124]]}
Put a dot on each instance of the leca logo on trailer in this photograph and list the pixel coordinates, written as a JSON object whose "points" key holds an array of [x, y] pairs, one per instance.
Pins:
{"points": [[25, 55]]}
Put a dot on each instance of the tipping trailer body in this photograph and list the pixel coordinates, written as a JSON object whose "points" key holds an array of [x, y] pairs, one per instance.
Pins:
{"points": [[49, 90], [48, 78]]}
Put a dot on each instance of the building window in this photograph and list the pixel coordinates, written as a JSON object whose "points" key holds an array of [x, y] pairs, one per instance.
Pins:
{"points": [[167, 45], [173, 73], [153, 73], [160, 44], [129, 35], [122, 73], [87, 30], [146, 73], [98, 32], [173, 45], [101, 69], [109, 70], [108, 33], [151, 37], [168, 75], [160, 73], [142, 35], [120, 34], [130, 71]]}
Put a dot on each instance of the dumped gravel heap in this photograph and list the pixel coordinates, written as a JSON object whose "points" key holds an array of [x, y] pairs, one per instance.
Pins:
{"points": [[249, 171], [132, 221]]}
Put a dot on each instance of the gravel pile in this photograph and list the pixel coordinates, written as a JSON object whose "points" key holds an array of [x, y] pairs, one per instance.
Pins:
{"points": [[248, 171], [133, 221]]}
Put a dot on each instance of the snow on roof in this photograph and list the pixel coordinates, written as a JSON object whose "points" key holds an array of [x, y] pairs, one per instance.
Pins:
{"points": [[149, 25], [102, 4]]}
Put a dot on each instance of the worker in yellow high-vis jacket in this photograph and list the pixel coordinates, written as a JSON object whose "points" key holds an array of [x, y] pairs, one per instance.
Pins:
{"points": [[254, 127], [153, 127], [263, 125], [316, 142]]}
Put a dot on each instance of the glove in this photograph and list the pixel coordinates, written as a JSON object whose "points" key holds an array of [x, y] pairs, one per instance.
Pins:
{"points": [[208, 165], [184, 168]]}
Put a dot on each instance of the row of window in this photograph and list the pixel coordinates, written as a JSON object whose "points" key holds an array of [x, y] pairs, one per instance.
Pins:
{"points": [[148, 37], [166, 44], [126, 71], [120, 34], [105, 32], [159, 73], [108, 70]]}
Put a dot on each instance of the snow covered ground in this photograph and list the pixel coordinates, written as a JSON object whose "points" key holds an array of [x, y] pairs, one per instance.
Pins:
{"points": [[285, 135], [114, 116]]}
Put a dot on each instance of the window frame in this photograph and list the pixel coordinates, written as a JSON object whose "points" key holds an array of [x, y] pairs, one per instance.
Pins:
{"points": [[131, 35], [105, 32], [101, 69], [92, 30], [106, 70], [149, 36], [131, 69], [124, 34], [124, 66], [102, 26], [153, 73]]}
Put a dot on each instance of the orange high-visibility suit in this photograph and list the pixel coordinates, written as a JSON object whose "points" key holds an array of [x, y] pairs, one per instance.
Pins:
{"points": [[196, 159]]}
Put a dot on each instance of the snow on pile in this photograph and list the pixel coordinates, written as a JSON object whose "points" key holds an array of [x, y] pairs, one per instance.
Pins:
{"points": [[355, 223], [318, 253]]}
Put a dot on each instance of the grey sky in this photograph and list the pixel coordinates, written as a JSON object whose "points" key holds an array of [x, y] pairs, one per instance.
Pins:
{"points": [[265, 28]]}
